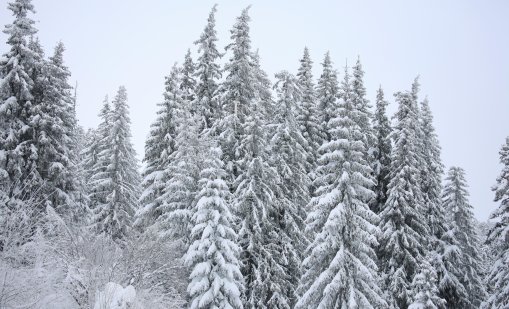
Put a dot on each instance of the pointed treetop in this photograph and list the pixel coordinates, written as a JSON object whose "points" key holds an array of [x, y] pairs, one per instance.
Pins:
{"points": [[416, 86], [58, 55]]}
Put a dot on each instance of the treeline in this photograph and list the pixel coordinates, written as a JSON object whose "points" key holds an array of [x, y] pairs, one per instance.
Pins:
{"points": [[253, 194]]}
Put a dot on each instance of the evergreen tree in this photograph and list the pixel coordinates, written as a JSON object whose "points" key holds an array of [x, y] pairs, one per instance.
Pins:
{"points": [[238, 94], [90, 152], [216, 281], [208, 73], [498, 278], [17, 152], [188, 83], [54, 126], [263, 93], [432, 172], [455, 200], [159, 148], [424, 290], [177, 203], [382, 151], [97, 157], [364, 116], [327, 93], [308, 116], [445, 253], [402, 245], [255, 201], [38, 70], [340, 270], [120, 179], [289, 157], [446, 258]]}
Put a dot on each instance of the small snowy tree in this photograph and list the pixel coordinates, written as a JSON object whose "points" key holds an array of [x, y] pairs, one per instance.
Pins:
{"points": [[455, 201], [424, 290], [498, 278], [340, 270], [216, 281]]}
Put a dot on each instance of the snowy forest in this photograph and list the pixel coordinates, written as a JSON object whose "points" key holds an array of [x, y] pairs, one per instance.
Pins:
{"points": [[255, 191]]}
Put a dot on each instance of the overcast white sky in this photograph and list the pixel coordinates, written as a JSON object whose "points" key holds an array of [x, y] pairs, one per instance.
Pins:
{"points": [[459, 48]]}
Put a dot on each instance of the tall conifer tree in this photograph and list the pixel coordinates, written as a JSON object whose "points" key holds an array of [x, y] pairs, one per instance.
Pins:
{"points": [[17, 151], [308, 117], [402, 245], [120, 179], [455, 201], [340, 270], [289, 157], [255, 201], [238, 94], [498, 278], [327, 94], [216, 281], [54, 125], [382, 151], [159, 148], [363, 116], [208, 73]]}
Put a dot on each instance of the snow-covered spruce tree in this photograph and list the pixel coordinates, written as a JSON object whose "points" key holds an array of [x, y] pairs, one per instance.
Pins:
{"points": [[97, 157], [54, 122], [445, 253], [446, 258], [402, 244], [327, 94], [340, 270], [188, 83], [262, 87], [38, 70], [208, 73], [498, 277], [308, 117], [177, 203], [432, 172], [455, 201], [382, 151], [159, 147], [364, 116], [289, 157], [255, 202], [17, 151], [424, 292], [90, 152], [77, 169], [213, 257], [120, 180], [238, 94]]}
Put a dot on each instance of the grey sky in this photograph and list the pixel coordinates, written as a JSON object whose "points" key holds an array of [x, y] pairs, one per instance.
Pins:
{"points": [[460, 49]]}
